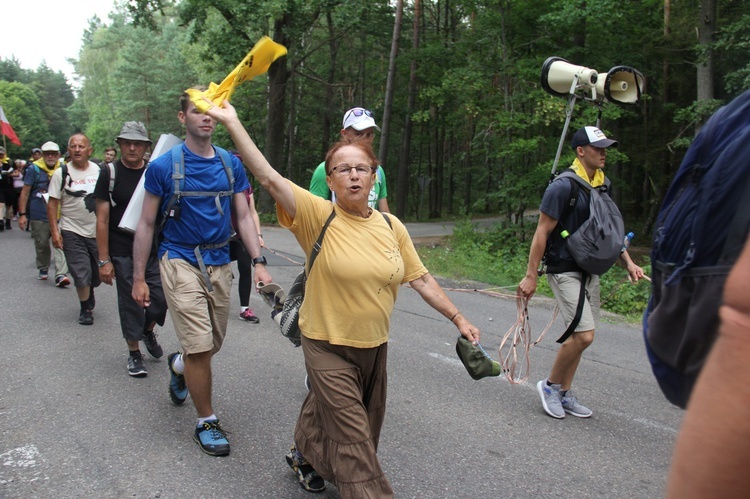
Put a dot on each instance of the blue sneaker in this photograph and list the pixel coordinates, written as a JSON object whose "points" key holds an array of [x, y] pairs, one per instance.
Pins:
{"points": [[212, 438], [178, 391]]}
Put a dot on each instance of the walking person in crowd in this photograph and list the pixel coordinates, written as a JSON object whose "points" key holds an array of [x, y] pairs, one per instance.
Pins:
{"points": [[114, 189], [17, 176], [244, 262], [110, 155], [563, 274], [36, 154], [35, 186], [194, 258], [365, 257], [71, 190], [359, 123], [6, 190]]}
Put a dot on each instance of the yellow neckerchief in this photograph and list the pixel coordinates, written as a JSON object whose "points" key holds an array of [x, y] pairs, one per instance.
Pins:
{"points": [[581, 172], [43, 166], [255, 63]]}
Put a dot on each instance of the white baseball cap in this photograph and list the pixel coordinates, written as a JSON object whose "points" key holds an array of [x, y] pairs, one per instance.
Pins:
{"points": [[360, 119], [50, 147]]}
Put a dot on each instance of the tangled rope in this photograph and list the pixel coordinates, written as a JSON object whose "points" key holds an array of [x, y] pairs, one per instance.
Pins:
{"points": [[519, 337]]}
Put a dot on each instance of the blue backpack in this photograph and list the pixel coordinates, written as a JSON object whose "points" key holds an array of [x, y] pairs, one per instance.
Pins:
{"points": [[700, 231]]}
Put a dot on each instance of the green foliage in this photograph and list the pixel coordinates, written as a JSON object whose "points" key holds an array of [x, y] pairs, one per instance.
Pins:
{"points": [[23, 110], [497, 257], [484, 131]]}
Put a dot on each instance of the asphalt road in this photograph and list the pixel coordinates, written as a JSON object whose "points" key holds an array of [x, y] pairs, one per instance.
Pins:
{"points": [[76, 425]]}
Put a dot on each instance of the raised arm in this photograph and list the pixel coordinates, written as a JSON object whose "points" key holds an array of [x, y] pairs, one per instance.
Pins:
{"points": [[269, 178]]}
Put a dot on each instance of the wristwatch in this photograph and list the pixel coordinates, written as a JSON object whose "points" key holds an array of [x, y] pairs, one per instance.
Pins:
{"points": [[260, 259], [22, 214], [102, 263]]}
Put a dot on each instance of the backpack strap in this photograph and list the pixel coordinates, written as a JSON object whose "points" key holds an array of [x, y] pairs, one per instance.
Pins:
{"points": [[317, 246], [387, 219], [64, 169], [111, 168], [579, 309]]}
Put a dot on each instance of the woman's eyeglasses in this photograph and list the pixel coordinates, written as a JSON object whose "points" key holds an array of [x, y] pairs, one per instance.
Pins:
{"points": [[361, 170]]}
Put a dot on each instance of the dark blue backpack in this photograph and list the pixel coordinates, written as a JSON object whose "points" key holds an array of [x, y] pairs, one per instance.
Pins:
{"points": [[700, 231]]}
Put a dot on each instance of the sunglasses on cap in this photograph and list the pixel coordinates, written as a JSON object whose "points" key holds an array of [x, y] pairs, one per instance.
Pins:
{"points": [[359, 111]]}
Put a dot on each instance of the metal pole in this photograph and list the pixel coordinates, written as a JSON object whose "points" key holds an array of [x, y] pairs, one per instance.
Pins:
{"points": [[568, 114]]}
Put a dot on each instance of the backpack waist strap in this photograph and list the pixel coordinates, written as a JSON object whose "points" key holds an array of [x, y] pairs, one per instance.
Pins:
{"points": [[201, 264]]}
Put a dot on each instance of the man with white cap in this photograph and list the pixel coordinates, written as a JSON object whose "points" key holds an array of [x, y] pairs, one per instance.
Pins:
{"points": [[563, 274], [358, 124], [32, 197], [114, 189]]}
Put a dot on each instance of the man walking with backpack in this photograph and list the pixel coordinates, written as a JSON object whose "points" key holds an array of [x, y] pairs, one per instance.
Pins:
{"points": [[35, 185], [576, 289], [114, 189], [196, 186]]}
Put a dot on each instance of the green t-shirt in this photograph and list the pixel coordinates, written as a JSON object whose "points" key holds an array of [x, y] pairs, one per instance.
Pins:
{"points": [[319, 187]]}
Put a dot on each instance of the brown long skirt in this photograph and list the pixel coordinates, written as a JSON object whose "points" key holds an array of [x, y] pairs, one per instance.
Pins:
{"points": [[339, 424]]}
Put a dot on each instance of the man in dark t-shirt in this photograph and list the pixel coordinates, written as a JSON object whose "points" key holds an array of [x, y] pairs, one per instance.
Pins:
{"points": [[116, 184], [572, 287]]}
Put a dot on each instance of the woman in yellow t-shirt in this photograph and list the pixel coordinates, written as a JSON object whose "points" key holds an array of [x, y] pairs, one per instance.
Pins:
{"points": [[364, 259]]}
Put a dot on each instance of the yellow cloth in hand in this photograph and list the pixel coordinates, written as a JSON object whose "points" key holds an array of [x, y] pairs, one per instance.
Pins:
{"points": [[255, 63]]}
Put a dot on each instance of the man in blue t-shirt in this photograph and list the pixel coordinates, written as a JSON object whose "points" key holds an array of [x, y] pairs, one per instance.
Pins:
{"points": [[194, 259]]}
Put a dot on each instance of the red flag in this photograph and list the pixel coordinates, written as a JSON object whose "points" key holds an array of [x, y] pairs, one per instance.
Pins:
{"points": [[7, 130]]}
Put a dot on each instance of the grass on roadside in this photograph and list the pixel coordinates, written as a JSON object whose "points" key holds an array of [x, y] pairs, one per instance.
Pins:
{"points": [[499, 258]]}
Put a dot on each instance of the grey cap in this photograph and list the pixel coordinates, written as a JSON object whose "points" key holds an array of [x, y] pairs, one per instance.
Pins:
{"points": [[134, 130], [36, 149]]}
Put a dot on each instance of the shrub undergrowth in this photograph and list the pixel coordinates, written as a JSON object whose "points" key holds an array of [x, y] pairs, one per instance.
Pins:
{"points": [[499, 257]]}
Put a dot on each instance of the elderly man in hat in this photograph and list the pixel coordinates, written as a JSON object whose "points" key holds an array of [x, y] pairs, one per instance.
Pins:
{"points": [[563, 274], [115, 187], [32, 197]]}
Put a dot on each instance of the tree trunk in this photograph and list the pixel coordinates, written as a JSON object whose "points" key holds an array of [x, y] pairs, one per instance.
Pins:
{"points": [[278, 75], [385, 125], [706, 30], [403, 162]]}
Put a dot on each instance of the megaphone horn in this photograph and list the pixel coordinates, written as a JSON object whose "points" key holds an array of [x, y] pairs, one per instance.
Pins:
{"points": [[621, 85], [558, 75]]}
